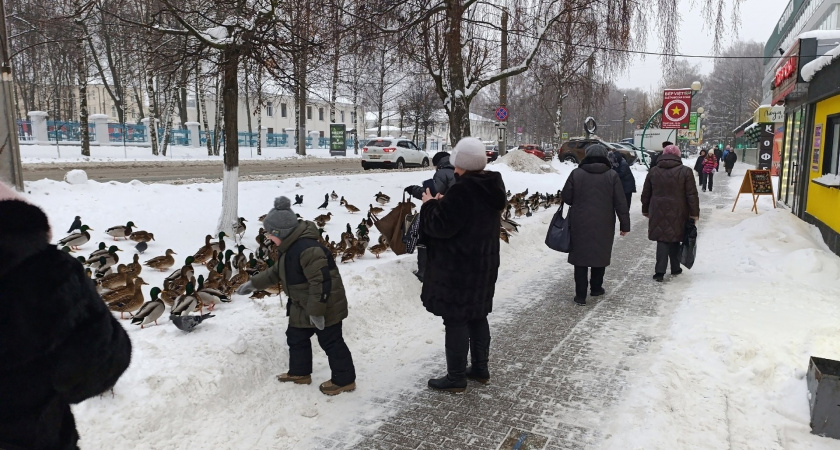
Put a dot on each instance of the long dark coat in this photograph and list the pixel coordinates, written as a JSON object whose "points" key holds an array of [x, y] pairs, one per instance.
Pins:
{"points": [[730, 159], [59, 344], [669, 198], [698, 164], [619, 164], [595, 192], [461, 232]]}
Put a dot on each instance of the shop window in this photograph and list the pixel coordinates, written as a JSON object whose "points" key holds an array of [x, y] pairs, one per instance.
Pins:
{"points": [[283, 110], [831, 158]]}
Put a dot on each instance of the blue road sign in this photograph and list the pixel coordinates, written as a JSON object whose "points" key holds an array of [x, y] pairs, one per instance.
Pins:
{"points": [[502, 113]]}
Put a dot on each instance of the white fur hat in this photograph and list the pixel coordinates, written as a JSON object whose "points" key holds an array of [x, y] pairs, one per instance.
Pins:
{"points": [[469, 154]]}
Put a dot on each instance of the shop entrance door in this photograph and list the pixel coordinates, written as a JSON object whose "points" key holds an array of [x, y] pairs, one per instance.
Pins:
{"points": [[787, 181]]}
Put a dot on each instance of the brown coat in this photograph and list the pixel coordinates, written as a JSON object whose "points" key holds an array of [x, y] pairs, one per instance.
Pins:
{"points": [[669, 198], [595, 193]]}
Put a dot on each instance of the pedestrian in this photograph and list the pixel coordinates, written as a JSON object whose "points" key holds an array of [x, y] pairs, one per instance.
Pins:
{"points": [[59, 343], [669, 198], [317, 300], [443, 178], [461, 231], [725, 152], [596, 197], [710, 165], [729, 162], [628, 181], [718, 155], [698, 166]]}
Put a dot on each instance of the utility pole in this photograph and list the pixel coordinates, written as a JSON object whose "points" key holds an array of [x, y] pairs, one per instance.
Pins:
{"points": [[624, 118], [10, 168], [503, 83]]}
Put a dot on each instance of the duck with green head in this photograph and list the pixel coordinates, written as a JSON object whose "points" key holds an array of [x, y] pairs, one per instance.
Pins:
{"points": [[219, 246], [185, 303], [110, 256], [120, 231], [210, 296], [76, 240], [150, 311]]}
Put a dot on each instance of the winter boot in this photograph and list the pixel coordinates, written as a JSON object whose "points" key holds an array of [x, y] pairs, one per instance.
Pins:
{"points": [[659, 277], [296, 379], [676, 272], [597, 292], [479, 356], [455, 380], [330, 388]]}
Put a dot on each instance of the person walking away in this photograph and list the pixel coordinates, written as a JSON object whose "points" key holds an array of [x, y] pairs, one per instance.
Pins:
{"points": [[669, 198], [628, 181], [718, 155], [596, 197], [698, 166], [443, 178], [729, 162], [59, 343], [710, 165], [725, 152], [461, 231], [317, 300]]}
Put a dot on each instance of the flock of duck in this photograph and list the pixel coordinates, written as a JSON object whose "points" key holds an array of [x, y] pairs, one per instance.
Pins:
{"points": [[120, 284]]}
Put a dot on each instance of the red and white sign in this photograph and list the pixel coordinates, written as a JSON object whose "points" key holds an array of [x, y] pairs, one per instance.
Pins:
{"points": [[787, 70], [676, 109]]}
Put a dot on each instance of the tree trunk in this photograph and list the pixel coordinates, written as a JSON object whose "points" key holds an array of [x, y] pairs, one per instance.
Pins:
{"points": [[459, 115], [217, 126], [301, 104], [82, 73], [380, 103], [230, 96], [558, 117], [167, 121], [153, 136], [259, 110], [248, 103], [200, 94]]}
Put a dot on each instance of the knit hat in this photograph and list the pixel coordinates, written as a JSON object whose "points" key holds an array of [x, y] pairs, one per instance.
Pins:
{"points": [[469, 154], [595, 151], [281, 220], [672, 150], [438, 156], [20, 217]]}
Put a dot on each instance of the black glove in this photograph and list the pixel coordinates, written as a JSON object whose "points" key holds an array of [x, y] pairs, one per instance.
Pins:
{"points": [[411, 188]]}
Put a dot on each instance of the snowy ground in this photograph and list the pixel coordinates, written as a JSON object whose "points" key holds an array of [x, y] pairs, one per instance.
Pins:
{"points": [[727, 372]]}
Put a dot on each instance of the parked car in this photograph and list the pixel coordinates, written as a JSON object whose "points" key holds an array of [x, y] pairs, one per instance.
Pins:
{"points": [[574, 150], [533, 149], [492, 152], [638, 152], [391, 152], [549, 153]]}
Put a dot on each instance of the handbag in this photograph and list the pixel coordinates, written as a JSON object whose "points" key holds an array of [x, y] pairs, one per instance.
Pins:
{"points": [[412, 232], [393, 225], [559, 236], [688, 248]]}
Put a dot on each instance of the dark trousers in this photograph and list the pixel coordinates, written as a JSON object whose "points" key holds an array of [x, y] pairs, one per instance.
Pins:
{"points": [[666, 251], [582, 280], [421, 260], [332, 341], [466, 336], [728, 171], [629, 196], [707, 180]]}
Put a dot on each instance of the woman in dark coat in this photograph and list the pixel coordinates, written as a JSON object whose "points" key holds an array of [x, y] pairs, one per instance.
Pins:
{"points": [[59, 343], [628, 181], [595, 193], [698, 166], [729, 162], [669, 198], [461, 231]]}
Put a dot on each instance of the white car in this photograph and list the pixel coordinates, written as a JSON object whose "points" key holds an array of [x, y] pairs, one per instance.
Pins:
{"points": [[393, 152]]}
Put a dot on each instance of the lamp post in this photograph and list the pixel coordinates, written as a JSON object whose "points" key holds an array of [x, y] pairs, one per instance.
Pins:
{"points": [[695, 89], [500, 128]]}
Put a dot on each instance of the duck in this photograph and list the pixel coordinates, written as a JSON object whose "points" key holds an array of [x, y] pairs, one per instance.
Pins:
{"points": [[350, 208], [122, 231], [369, 220], [210, 296], [103, 268], [362, 230], [381, 198], [334, 196], [262, 217], [239, 261], [375, 210], [130, 301], [237, 280], [114, 280], [239, 228], [177, 280], [141, 236], [162, 262], [134, 267], [116, 293], [203, 254], [323, 219], [150, 311], [383, 240], [213, 262], [185, 303], [110, 256], [76, 240], [510, 225], [349, 255], [102, 249], [504, 235], [220, 245], [377, 249], [169, 297]]}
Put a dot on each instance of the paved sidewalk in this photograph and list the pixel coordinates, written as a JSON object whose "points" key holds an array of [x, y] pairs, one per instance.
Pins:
{"points": [[555, 367]]}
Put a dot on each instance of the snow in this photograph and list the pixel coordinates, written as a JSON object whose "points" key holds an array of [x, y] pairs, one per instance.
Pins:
{"points": [[35, 154], [828, 179], [521, 161], [811, 69], [725, 369], [76, 176], [820, 34]]}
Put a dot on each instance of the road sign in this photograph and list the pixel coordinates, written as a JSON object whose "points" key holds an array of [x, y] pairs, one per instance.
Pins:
{"points": [[631, 120], [676, 107], [565, 136], [502, 113]]}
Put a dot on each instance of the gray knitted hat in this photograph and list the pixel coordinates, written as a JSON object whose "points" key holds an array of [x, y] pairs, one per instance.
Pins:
{"points": [[469, 154], [596, 150], [281, 220]]}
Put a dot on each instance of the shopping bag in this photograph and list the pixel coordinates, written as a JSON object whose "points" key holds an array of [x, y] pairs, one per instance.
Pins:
{"points": [[688, 248], [393, 225], [559, 236]]}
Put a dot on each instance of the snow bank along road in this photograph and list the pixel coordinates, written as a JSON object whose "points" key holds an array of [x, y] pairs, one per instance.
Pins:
{"points": [[184, 170]]}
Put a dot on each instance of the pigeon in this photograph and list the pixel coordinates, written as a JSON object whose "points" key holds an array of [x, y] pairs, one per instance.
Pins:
{"points": [[326, 202], [298, 200], [77, 223], [188, 323], [141, 247]]}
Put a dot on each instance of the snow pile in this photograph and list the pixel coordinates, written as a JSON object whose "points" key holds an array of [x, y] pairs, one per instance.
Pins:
{"points": [[521, 161], [811, 69], [76, 176], [820, 34], [828, 179]]}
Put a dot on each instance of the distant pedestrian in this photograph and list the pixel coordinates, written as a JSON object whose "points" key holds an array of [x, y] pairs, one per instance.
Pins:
{"points": [[698, 166], [628, 181], [718, 155], [317, 300], [461, 231], [596, 195], [669, 198], [59, 343], [729, 162], [442, 180], [725, 152], [710, 165]]}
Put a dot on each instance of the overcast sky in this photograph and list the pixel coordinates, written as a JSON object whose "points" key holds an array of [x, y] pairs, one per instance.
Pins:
{"points": [[758, 18]]}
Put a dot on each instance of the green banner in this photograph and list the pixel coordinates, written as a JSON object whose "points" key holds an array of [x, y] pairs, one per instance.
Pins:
{"points": [[692, 122], [338, 139]]}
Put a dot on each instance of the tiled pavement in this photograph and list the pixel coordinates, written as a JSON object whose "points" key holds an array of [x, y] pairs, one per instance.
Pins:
{"points": [[555, 366]]}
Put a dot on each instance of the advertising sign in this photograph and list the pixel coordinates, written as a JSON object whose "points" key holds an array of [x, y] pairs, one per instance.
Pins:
{"points": [[756, 183], [769, 114], [815, 160], [338, 139], [778, 137], [765, 146], [676, 108], [692, 122]]}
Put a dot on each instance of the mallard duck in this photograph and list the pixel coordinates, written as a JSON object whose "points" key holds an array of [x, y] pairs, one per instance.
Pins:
{"points": [[323, 219], [239, 228], [504, 235], [362, 230], [213, 262], [510, 225], [262, 217], [134, 267], [76, 240], [382, 198], [177, 280], [110, 256], [377, 249], [219, 246], [185, 303], [114, 280], [239, 260], [334, 196], [205, 251], [162, 262], [129, 302], [382, 240], [101, 250], [169, 297], [375, 210], [237, 280], [350, 208], [141, 236], [349, 255], [122, 231], [116, 293], [209, 296], [150, 311], [259, 294]]}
